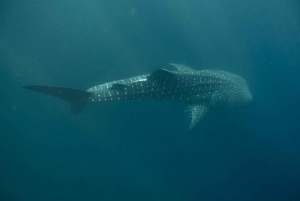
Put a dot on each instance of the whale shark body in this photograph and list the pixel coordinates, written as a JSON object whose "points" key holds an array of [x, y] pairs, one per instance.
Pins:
{"points": [[202, 91]]}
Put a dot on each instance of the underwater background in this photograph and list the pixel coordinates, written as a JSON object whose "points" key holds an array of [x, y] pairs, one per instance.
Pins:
{"points": [[138, 150]]}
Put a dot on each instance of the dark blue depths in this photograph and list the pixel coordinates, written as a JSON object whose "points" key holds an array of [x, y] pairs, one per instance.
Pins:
{"points": [[137, 150]]}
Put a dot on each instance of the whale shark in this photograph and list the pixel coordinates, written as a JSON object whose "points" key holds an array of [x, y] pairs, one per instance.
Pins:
{"points": [[200, 90]]}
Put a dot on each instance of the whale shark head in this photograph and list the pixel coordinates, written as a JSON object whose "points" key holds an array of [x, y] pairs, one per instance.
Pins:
{"points": [[241, 96], [235, 93]]}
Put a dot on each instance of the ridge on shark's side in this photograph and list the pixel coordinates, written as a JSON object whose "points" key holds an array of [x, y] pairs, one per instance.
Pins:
{"points": [[202, 90]]}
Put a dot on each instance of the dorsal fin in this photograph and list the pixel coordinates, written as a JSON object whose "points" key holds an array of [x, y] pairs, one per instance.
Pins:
{"points": [[161, 74], [183, 69]]}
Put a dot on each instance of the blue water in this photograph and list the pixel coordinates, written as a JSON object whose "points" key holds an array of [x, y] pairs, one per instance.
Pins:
{"points": [[138, 150]]}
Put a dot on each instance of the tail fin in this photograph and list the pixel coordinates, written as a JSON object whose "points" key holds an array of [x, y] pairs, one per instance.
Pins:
{"points": [[77, 98]]}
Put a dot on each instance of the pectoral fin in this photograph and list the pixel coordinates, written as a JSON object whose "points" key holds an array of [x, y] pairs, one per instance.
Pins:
{"points": [[198, 114]]}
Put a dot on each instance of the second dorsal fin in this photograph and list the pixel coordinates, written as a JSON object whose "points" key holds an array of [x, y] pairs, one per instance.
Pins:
{"points": [[118, 87]]}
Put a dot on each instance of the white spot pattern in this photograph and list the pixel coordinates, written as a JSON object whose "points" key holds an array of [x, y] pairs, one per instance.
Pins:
{"points": [[201, 90]]}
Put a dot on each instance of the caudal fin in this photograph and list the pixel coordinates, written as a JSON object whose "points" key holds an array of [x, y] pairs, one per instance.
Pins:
{"points": [[77, 98]]}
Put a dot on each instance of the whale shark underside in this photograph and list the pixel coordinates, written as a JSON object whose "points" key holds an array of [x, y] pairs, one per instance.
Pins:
{"points": [[202, 91]]}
